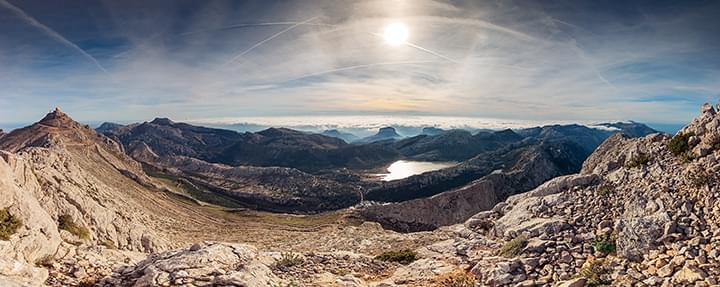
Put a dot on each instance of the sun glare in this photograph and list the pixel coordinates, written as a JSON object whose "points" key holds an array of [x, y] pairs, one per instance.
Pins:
{"points": [[396, 34]]}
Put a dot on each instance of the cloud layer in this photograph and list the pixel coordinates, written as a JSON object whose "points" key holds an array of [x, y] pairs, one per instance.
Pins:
{"points": [[520, 60]]}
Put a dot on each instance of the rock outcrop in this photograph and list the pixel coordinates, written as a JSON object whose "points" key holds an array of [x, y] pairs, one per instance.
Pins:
{"points": [[642, 212]]}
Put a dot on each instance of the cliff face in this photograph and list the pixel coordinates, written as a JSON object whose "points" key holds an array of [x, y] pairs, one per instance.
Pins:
{"points": [[67, 184], [514, 171], [642, 211]]}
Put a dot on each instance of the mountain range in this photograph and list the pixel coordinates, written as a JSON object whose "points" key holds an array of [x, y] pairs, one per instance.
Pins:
{"points": [[550, 205]]}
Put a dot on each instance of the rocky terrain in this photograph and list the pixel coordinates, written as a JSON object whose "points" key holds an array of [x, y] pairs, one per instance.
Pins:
{"points": [[76, 211]]}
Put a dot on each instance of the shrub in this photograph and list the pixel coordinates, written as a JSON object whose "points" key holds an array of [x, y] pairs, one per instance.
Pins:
{"points": [[596, 272], [514, 247], [88, 282], [288, 259], [604, 243], [698, 179], [605, 190], [65, 222], [45, 261], [9, 224], [637, 161], [405, 256], [679, 144], [458, 278]]}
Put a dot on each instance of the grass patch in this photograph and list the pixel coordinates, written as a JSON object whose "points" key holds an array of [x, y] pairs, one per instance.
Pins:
{"points": [[514, 247], [605, 243], [605, 190], [288, 259], [65, 222], [405, 256], [45, 261], [596, 272], [9, 224], [109, 244], [458, 278], [678, 145], [637, 161]]}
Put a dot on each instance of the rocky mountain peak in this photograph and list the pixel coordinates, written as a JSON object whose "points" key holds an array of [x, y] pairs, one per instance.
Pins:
{"points": [[388, 131], [162, 121], [57, 118]]}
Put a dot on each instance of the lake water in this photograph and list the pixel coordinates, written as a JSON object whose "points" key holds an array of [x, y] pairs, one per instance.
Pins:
{"points": [[406, 168]]}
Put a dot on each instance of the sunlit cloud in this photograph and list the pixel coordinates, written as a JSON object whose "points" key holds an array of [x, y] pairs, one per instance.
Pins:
{"points": [[535, 62]]}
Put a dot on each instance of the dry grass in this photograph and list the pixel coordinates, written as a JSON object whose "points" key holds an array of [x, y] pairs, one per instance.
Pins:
{"points": [[9, 224], [458, 278], [65, 222]]}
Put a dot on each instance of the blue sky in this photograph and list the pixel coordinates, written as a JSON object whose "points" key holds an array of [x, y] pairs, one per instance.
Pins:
{"points": [[650, 61]]}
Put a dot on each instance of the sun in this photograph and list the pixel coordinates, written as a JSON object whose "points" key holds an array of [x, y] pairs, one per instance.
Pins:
{"points": [[396, 34]]}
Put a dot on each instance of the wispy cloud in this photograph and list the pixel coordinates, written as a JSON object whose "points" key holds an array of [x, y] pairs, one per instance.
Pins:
{"points": [[50, 32], [581, 61]]}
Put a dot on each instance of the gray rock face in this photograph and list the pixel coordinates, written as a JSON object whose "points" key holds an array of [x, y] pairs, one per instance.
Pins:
{"points": [[639, 230], [206, 264]]}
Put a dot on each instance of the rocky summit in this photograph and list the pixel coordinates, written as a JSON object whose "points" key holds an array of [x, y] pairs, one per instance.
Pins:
{"points": [[77, 208]]}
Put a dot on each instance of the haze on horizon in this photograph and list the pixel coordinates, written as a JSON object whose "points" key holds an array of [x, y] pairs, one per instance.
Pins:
{"points": [[650, 61]]}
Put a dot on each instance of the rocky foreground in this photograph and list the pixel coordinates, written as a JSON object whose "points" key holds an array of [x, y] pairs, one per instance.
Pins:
{"points": [[642, 212]]}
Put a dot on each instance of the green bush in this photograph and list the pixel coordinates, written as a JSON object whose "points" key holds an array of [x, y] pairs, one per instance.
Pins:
{"points": [[604, 243], [9, 224], [405, 256], [637, 161], [679, 144], [514, 247], [596, 272], [65, 222]]}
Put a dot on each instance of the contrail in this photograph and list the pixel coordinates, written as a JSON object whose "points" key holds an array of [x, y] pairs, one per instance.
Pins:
{"points": [[354, 67], [258, 44], [230, 27], [431, 52], [50, 32]]}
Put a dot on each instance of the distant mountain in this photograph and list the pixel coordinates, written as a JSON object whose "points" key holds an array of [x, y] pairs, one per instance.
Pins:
{"points": [[432, 131], [271, 147], [454, 145], [108, 127], [587, 137], [347, 137], [631, 128], [386, 133]]}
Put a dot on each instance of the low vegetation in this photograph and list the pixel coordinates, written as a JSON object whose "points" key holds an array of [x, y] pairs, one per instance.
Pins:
{"points": [[697, 179], [109, 244], [637, 160], [679, 144], [288, 259], [605, 243], [596, 272], [514, 247], [46, 261], [405, 256], [9, 224], [605, 190], [458, 278], [65, 222]]}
